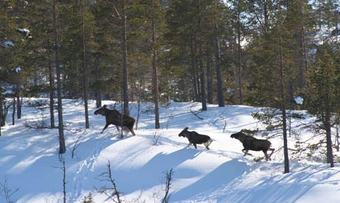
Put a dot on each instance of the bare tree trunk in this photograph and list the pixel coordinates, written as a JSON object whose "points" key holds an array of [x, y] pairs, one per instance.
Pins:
{"points": [[193, 67], [220, 96], [98, 94], [1, 111], [239, 57], [51, 91], [283, 110], [13, 113], [84, 67], [337, 26], [327, 123], [200, 58], [64, 179], [125, 62], [62, 147], [18, 102], [209, 80], [337, 137], [154, 67], [217, 50], [265, 15], [203, 85]]}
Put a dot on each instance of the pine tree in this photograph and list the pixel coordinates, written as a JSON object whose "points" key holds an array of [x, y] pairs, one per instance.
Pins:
{"points": [[155, 78], [322, 96], [84, 65]]}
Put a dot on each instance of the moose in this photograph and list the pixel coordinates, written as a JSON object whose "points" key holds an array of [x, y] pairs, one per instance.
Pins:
{"points": [[251, 143], [114, 117], [195, 138]]}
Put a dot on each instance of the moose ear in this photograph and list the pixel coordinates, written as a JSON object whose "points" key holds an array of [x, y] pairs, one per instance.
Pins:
{"points": [[104, 106], [186, 128]]}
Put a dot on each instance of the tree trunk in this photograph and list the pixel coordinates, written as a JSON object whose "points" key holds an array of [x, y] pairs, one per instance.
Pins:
{"points": [[217, 50], [13, 114], [200, 58], [209, 80], [300, 51], [337, 137], [220, 96], [265, 15], [203, 84], [239, 58], [62, 147], [18, 102], [84, 67], [193, 67], [327, 123], [51, 90], [1, 111], [283, 110], [125, 65], [155, 68], [98, 94]]}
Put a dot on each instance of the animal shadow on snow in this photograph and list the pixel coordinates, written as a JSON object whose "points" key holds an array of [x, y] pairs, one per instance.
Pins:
{"points": [[152, 173], [223, 174]]}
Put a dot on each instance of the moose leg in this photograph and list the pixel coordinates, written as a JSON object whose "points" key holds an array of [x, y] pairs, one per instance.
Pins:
{"points": [[195, 145], [266, 155], [106, 125], [272, 149], [245, 151], [133, 132], [117, 128], [206, 144]]}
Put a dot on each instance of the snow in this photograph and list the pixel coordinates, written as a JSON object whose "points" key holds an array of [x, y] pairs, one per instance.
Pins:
{"points": [[7, 43], [7, 88], [30, 163], [23, 30], [298, 100], [18, 69]]}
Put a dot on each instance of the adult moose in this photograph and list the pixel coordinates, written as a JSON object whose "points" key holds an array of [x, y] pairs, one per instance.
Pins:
{"points": [[114, 117], [251, 143]]}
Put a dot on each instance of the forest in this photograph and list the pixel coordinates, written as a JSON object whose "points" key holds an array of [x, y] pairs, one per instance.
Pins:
{"points": [[279, 55]]}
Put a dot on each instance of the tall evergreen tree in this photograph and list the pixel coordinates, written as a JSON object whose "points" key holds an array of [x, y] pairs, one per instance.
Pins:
{"points": [[155, 10], [84, 64], [322, 97]]}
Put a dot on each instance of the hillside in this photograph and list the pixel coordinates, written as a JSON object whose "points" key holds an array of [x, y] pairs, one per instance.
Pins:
{"points": [[29, 161]]}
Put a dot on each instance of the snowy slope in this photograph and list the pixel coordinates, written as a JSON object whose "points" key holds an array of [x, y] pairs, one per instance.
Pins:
{"points": [[29, 161]]}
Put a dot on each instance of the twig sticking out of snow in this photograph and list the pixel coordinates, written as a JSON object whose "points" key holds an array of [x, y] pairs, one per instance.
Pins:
{"points": [[7, 192], [195, 113], [110, 191], [168, 183], [156, 137]]}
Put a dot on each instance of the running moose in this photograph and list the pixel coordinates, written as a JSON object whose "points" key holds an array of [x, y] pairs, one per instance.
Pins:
{"points": [[114, 117], [251, 143]]}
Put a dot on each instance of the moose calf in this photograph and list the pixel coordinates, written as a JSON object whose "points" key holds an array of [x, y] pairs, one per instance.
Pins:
{"points": [[251, 143], [195, 138], [114, 117]]}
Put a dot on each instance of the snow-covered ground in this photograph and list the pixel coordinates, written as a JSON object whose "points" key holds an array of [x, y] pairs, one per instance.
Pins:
{"points": [[30, 165]]}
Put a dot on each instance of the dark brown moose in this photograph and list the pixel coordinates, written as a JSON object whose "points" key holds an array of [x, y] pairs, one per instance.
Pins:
{"points": [[114, 117], [251, 143], [195, 138]]}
